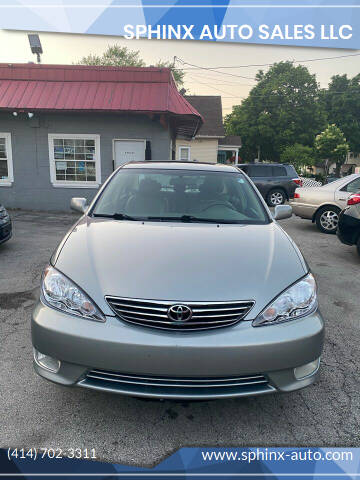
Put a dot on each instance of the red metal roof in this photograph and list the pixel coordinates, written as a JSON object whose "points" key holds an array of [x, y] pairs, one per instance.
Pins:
{"points": [[31, 87]]}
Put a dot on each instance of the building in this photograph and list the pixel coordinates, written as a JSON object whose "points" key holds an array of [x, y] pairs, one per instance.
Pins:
{"points": [[210, 144], [351, 165], [63, 129]]}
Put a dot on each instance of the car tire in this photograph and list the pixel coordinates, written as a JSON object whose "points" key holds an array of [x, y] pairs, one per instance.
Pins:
{"points": [[275, 197], [327, 219], [358, 246]]}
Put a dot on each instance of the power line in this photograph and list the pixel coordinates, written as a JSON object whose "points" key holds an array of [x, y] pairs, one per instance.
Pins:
{"points": [[272, 94], [213, 70], [217, 89], [217, 79], [197, 67], [195, 80]]}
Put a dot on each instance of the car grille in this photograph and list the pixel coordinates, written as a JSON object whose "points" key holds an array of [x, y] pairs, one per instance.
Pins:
{"points": [[176, 387], [205, 315]]}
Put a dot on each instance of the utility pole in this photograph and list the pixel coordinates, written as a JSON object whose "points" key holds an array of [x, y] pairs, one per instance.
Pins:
{"points": [[257, 160]]}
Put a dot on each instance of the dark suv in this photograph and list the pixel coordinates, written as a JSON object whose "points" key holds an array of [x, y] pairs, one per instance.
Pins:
{"points": [[276, 181]]}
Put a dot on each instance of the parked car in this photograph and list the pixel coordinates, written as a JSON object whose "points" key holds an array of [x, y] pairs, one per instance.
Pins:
{"points": [[331, 178], [323, 205], [5, 225], [275, 181], [348, 230], [177, 282]]}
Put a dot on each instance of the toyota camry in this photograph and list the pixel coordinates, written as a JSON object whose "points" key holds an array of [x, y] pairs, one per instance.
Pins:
{"points": [[178, 282]]}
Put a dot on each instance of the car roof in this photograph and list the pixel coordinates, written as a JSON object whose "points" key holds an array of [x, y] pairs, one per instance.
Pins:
{"points": [[173, 165], [266, 164]]}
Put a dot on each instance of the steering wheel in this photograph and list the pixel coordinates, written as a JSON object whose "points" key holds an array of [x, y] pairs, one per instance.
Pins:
{"points": [[220, 204]]}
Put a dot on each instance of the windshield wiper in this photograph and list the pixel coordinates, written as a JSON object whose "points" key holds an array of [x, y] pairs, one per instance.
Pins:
{"points": [[183, 218], [115, 216], [189, 218]]}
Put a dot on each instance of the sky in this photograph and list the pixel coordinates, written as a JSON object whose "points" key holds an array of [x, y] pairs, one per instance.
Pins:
{"points": [[69, 48]]}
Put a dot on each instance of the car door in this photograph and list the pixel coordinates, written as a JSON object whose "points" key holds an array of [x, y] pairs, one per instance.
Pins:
{"points": [[342, 193], [281, 178], [261, 175]]}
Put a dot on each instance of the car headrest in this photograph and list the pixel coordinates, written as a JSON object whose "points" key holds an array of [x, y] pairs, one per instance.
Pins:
{"points": [[149, 186], [178, 183], [212, 184]]}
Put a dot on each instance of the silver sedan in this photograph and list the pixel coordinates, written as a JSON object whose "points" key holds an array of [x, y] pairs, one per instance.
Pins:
{"points": [[323, 204], [177, 282]]}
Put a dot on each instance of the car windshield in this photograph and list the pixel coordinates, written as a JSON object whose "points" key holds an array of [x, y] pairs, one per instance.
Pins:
{"points": [[181, 195]]}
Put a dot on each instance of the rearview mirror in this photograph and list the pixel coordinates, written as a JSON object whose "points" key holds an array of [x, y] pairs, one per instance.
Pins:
{"points": [[282, 212], [78, 204]]}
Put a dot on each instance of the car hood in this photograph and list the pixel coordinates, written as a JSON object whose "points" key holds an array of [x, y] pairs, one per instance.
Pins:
{"points": [[179, 261]]}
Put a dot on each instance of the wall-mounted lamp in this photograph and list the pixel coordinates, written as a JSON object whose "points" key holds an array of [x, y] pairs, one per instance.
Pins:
{"points": [[30, 114], [15, 114], [35, 45]]}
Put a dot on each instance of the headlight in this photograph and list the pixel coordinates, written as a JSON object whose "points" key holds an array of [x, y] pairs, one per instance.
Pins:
{"points": [[297, 301], [61, 293], [4, 216]]}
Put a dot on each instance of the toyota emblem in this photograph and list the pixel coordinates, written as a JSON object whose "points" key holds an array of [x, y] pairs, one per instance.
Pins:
{"points": [[179, 313]]}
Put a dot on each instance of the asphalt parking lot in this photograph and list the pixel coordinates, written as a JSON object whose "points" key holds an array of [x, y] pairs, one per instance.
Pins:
{"points": [[36, 413]]}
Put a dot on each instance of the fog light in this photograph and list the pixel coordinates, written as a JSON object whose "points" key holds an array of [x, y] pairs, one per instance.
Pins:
{"points": [[307, 369], [47, 362]]}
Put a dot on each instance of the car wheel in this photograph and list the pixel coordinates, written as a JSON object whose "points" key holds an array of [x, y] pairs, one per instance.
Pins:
{"points": [[275, 197], [327, 219]]}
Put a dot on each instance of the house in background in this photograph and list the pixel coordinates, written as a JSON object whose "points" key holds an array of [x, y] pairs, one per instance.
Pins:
{"points": [[351, 165], [64, 128], [210, 144]]}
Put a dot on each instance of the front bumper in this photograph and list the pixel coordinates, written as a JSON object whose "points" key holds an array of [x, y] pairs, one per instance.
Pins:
{"points": [[345, 237], [348, 228], [5, 232], [176, 365]]}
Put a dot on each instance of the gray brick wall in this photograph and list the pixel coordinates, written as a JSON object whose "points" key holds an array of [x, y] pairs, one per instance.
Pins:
{"points": [[32, 188]]}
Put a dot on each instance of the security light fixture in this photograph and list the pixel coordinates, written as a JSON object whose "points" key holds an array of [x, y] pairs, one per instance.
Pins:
{"points": [[35, 45]]}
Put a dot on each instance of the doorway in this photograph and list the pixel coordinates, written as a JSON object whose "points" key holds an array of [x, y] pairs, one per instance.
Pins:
{"points": [[128, 151]]}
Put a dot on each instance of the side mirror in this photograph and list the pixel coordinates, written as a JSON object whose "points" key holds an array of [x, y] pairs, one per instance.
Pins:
{"points": [[282, 212], [78, 204]]}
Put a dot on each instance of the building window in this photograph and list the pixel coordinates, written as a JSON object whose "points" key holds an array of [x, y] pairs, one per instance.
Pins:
{"points": [[184, 154], [6, 166], [75, 160]]}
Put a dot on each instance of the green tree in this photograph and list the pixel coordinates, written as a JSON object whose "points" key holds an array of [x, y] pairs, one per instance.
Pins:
{"points": [[298, 155], [178, 74], [342, 103], [117, 56], [332, 146], [281, 110]]}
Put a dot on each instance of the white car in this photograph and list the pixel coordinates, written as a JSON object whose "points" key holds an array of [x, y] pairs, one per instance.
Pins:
{"points": [[323, 204]]}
